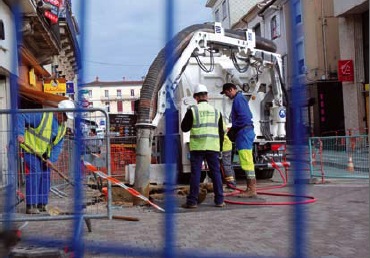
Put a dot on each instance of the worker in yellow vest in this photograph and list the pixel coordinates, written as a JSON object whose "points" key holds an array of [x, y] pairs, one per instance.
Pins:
{"points": [[229, 174], [41, 135], [206, 136]]}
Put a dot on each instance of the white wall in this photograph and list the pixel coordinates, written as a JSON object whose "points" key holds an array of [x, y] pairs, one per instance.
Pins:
{"points": [[8, 64], [341, 6], [8, 49]]}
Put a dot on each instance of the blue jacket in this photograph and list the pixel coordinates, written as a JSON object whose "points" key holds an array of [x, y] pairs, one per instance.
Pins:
{"points": [[241, 114]]}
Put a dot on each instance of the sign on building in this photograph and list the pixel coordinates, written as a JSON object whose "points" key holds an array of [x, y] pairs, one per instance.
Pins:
{"points": [[124, 124], [55, 85], [345, 71]]}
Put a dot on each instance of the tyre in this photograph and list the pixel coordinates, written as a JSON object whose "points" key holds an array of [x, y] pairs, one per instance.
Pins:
{"points": [[265, 173], [184, 178]]}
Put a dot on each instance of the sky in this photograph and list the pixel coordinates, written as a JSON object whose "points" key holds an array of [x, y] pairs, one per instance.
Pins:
{"points": [[123, 37]]}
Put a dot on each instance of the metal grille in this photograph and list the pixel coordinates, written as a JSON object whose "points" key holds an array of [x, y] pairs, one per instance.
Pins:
{"points": [[339, 156]]}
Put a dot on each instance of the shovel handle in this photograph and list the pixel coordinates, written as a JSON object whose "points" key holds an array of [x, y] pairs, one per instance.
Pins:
{"points": [[125, 218], [51, 165]]}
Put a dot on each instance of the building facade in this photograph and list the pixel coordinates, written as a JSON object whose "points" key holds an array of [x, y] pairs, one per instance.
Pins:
{"points": [[47, 50], [353, 19], [229, 12], [314, 33], [8, 54], [115, 97]]}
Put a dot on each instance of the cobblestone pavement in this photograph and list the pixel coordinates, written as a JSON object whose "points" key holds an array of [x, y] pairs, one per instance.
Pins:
{"points": [[336, 225]]}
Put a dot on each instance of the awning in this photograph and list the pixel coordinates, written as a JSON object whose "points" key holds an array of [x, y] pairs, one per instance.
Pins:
{"points": [[43, 98]]}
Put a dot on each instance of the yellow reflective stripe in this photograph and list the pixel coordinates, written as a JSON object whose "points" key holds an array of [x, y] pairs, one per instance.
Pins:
{"points": [[229, 178], [196, 116], [203, 135], [39, 131]]}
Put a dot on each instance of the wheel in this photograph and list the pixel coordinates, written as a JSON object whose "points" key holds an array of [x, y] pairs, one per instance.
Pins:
{"points": [[265, 173], [184, 178]]}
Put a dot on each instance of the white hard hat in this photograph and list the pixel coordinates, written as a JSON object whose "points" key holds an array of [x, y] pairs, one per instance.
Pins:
{"points": [[67, 104], [200, 88]]}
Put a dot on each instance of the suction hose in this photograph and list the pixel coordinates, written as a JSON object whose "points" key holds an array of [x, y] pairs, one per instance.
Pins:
{"points": [[261, 191]]}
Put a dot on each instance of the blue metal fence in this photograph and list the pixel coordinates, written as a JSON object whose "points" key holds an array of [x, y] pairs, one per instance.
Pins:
{"points": [[170, 237]]}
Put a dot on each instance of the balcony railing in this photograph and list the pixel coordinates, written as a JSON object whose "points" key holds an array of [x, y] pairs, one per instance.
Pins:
{"points": [[119, 97]]}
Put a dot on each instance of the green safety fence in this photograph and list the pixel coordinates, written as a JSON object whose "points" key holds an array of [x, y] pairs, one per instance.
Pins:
{"points": [[339, 156]]}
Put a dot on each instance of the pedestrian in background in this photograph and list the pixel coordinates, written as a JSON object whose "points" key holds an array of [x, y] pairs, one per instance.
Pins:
{"points": [[206, 136], [93, 146], [41, 136], [243, 130]]}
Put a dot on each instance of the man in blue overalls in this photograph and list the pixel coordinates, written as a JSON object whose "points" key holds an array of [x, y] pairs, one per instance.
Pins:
{"points": [[242, 125], [41, 136]]}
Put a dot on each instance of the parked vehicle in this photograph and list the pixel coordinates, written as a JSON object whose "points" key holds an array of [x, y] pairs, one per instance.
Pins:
{"points": [[211, 55]]}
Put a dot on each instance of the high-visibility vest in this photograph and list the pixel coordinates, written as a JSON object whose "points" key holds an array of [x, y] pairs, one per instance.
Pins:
{"points": [[204, 132], [39, 139], [61, 132], [227, 144]]}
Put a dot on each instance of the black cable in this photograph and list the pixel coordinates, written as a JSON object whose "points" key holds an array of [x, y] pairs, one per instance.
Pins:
{"points": [[212, 62], [237, 66]]}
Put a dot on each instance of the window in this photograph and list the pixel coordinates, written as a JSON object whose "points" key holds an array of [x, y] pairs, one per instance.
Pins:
{"points": [[90, 93], [297, 12], [217, 15], [119, 93], [91, 104], [133, 106], [224, 10], [107, 106], [2, 30], [275, 27], [119, 106], [300, 58], [132, 93], [106, 93], [257, 29]]}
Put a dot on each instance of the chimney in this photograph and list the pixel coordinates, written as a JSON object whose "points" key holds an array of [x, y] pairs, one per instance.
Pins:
{"points": [[124, 78], [97, 78]]}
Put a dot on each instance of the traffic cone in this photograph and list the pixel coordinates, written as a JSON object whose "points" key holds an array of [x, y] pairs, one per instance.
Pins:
{"points": [[350, 166]]}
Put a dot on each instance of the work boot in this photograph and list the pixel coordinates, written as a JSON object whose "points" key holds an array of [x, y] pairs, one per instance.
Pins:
{"points": [[31, 209], [202, 195], [41, 207], [251, 191], [220, 205], [189, 206]]}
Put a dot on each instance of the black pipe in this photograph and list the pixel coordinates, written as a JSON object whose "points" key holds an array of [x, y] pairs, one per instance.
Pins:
{"points": [[157, 71]]}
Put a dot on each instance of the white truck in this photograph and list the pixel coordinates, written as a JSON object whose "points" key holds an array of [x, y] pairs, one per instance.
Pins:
{"points": [[211, 55]]}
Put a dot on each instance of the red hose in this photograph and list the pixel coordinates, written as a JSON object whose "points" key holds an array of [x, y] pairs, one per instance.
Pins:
{"points": [[310, 199]]}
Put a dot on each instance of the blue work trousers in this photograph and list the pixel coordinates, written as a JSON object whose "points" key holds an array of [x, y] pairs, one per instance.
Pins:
{"points": [[37, 180], [196, 159]]}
